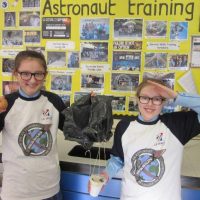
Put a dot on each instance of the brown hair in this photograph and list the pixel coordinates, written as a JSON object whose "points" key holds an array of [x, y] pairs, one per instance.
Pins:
{"points": [[145, 82], [29, 54]]}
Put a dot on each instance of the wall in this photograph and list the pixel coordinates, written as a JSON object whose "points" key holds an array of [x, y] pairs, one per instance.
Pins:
{"points": [[108, 47]]}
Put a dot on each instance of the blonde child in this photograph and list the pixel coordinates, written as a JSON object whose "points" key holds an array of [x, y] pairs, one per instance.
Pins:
{"points": [[149, 147]]}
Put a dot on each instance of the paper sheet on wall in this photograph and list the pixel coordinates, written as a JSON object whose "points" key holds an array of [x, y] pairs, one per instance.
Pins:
{"points": [[187, 83]]}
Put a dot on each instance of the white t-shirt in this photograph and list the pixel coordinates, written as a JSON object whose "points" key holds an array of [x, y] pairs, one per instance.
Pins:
{"points": [[29, 146], [152, 154]]}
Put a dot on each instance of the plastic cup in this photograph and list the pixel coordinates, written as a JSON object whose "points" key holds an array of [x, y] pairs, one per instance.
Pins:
{"points": [[96, 183]]}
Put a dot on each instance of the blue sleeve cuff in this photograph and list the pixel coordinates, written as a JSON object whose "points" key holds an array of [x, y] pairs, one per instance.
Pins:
{"points": [[114, 164]]}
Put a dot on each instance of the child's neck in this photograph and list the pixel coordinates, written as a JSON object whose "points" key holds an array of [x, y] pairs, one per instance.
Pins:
{"points": [[21, 92], [151, 120]]}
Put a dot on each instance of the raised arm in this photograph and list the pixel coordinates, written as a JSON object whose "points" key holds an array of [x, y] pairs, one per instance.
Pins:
{"points": [[191, 101], [164, 91]]}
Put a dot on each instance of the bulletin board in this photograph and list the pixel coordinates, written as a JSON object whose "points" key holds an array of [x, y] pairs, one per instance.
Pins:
{"points": [[106, 46]]}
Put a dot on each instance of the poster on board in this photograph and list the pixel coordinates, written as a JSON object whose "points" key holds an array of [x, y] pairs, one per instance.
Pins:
{"points": [[195, 51], [56, 27]]}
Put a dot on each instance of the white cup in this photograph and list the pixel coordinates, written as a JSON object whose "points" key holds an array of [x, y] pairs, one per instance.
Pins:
{"points": [[96, 183]]}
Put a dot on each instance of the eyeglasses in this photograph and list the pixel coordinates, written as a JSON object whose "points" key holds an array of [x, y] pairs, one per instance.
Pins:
{"points": [[26, 76], [155, 100]]}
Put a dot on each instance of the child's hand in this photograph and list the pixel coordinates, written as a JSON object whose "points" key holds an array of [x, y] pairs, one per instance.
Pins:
{"points": [[92, 94], [3, 104], [164, 91]]}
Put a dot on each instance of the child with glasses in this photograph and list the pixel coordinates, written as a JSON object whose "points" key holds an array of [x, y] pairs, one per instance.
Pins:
{"points": [[149, 146], [29, 127]]}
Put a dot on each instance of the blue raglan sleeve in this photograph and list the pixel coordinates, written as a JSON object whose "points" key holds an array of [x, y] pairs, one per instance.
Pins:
{"points": [[191, 101]]}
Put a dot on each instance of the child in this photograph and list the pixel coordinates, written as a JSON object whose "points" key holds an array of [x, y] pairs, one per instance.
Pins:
{"points": [[29, 127], [149, 147]]}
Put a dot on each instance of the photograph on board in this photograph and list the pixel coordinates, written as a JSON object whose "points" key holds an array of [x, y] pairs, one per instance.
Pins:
{"points": [[9, 19], [127, 45], [94, 51], [124, 82], [128, 28], [30, 3], [29, 18], [118, 103], [126, 60], [56, 27], [73, 59], [155, 61], [178, 62], [94, 29], [8, 65], [92, 81], [61, 82], [195, 51], [179, 30], [132, 104], [32, 37], [56, 59], [12, 38], [156, 29]]}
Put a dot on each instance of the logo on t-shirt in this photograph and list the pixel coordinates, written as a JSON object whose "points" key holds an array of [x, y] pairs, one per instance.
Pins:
{"points": [[148, 166], [46, 117], [160, 139], [35, 140]]}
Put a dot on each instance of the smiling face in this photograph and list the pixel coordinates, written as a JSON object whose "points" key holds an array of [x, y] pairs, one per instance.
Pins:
{"points": [[30, 65], [148, 110]]}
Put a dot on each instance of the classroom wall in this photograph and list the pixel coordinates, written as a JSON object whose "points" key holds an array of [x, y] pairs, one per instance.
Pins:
{"points": [[106, 46]]}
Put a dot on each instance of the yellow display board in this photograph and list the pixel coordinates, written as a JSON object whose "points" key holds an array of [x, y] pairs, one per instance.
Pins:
{"points": [[106, 46]]}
